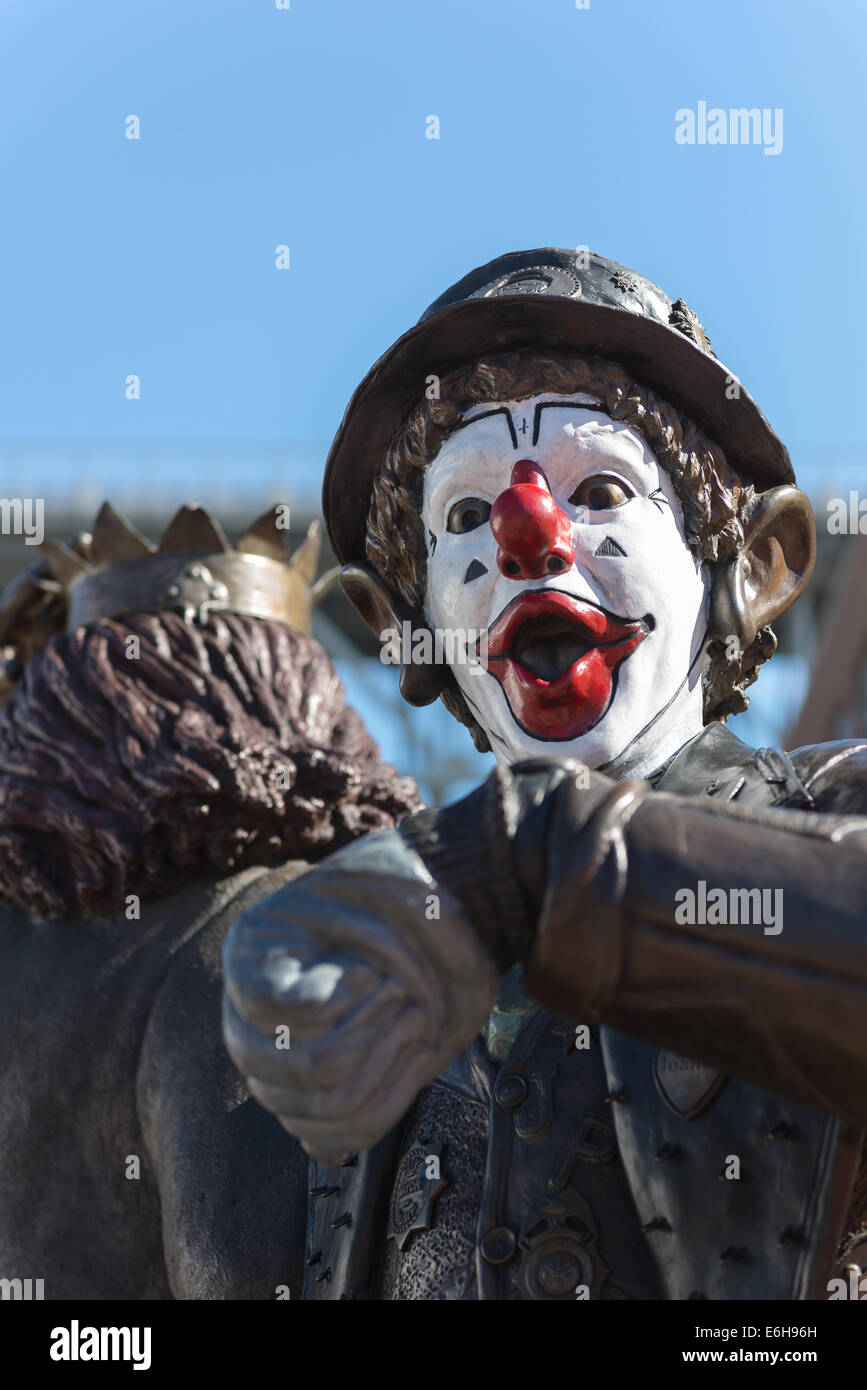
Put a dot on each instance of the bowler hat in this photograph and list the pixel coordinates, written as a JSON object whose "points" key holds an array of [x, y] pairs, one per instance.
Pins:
{"points": [[563, 300]]}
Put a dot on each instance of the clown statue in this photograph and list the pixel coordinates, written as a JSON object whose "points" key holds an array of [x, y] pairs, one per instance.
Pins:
{"points": [[597, 1030]]}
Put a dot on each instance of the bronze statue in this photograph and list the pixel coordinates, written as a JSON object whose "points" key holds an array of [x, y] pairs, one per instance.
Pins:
{"points": [[174, 744], [596, 1030]]}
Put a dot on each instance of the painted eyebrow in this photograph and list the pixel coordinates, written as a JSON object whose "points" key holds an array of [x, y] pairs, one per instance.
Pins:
{"points": [[557, 405], [486, 414]]}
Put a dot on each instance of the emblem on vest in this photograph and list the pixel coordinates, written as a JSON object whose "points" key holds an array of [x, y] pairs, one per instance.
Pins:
{"points": [[559, 1251], [417, 1186], [686, 1086]]}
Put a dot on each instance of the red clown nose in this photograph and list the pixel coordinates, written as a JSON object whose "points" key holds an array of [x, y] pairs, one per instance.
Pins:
{"points": [[533, 535]]}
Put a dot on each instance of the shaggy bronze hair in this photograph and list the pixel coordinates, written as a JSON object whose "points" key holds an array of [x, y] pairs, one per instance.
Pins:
{"points": [[215, 747], [715, 500]]}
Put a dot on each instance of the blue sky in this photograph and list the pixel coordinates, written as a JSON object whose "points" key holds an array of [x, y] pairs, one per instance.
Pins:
{"points": [[306, 127]]}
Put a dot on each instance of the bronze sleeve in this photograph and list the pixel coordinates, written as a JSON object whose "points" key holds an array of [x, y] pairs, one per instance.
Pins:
{"points": [[781, 1003]]}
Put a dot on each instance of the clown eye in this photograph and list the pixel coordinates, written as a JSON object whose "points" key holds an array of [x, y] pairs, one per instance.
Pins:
{"points": [[468, 514], [600, 494]]}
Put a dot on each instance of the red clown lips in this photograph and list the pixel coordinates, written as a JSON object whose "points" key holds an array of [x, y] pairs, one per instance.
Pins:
{"points": [[556, 658]]}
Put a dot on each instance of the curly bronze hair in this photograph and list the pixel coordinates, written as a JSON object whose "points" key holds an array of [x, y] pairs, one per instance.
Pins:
{"points": [[192, 749], [716, 501]]}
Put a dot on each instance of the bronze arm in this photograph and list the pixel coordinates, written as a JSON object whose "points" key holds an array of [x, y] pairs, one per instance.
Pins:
{"points": [[595, 875]]}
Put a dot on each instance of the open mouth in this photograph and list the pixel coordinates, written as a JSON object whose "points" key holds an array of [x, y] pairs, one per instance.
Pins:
{"points": [[557, 657], [548, 646]]}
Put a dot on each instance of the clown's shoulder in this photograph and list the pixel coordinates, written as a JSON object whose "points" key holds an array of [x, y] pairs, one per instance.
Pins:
{"points": [[835, 774]]}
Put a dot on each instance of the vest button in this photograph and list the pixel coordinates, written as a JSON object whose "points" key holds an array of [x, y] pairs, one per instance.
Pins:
{"points": [[498, 1245], [510, 1091]]}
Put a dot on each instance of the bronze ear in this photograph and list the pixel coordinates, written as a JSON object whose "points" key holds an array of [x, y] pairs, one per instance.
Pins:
{"points": [[382, 610], [371, 598], [772, 568]]}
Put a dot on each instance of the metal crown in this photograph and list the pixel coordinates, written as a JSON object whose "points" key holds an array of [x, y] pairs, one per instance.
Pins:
{"points": [[193, 570]]}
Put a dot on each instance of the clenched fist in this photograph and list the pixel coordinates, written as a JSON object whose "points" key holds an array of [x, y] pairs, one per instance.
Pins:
{"points": [[349, 990]]}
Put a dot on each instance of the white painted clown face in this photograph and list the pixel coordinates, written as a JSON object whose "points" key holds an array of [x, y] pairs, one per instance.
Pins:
{"points": [[554, 530]]}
